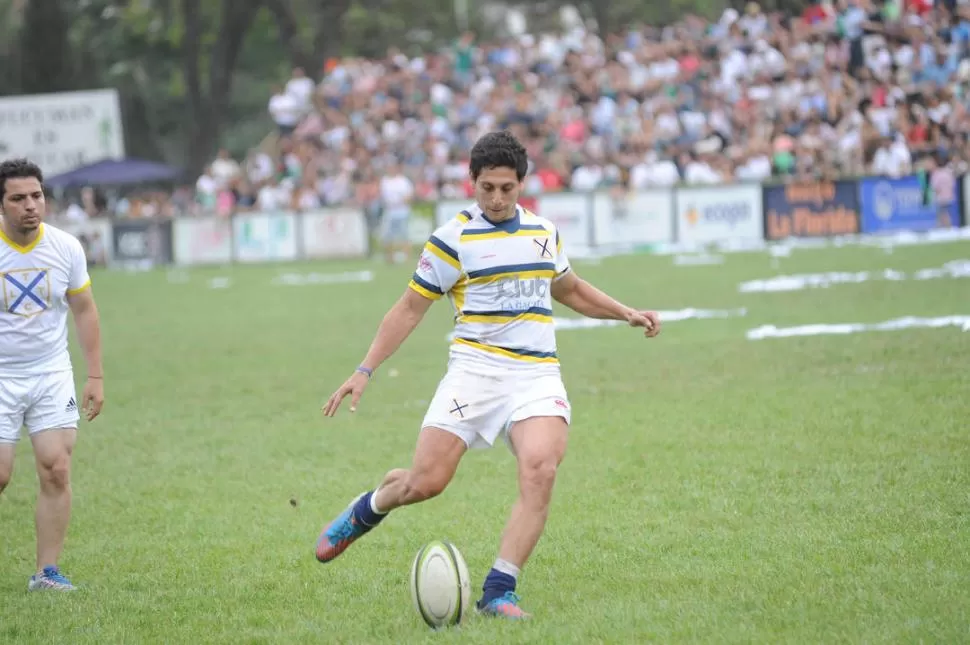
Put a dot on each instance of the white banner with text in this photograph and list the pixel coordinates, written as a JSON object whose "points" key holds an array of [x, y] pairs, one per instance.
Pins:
{"points": [[711, 214]]}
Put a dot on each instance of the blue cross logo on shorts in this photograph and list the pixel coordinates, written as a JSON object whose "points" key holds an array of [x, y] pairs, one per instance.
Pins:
{"points": [[26, 292], [459, 409]]}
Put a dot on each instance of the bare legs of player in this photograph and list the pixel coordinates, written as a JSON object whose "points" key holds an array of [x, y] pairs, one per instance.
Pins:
{"points": [[6, 464], [436, 459], [52, 453], [539, 444]]}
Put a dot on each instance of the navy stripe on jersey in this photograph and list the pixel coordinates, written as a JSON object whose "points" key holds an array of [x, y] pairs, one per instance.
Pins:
{"points": [[512, 350], [512, 268], [487, 231], [426, 285], [444, 247], [541, 311]]}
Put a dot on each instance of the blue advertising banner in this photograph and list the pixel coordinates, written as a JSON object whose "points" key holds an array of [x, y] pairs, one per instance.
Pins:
{"points": [[811, 209], [905, 204]]}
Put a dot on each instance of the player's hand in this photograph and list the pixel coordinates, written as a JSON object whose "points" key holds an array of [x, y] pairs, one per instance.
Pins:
{"points": [[649, 320], [354, 386], [92, 398]]}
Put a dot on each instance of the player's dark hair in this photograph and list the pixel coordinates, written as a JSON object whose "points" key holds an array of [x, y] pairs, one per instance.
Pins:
{"points": [[499, 150], [18, 169]]}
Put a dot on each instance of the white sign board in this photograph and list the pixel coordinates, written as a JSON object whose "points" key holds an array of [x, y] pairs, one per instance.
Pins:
{"points": [[265, 237], [62, 131], [630, 220], [334, 233], [204, 240], [712, 214]]}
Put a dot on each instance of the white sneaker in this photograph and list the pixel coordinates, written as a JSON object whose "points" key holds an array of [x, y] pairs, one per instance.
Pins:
{"points": [[50, 579]]}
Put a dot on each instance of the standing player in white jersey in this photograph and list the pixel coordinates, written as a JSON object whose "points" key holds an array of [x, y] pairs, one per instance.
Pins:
{"points": [[43, 274], [501, 266]]}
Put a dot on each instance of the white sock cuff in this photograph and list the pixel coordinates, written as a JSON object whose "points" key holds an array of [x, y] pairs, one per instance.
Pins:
{"points": [[373, 503], [507, 567]]}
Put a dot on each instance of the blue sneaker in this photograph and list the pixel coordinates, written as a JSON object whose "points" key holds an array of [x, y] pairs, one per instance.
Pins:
{"points": [[50, 579], [505, 606], [340, 533]]}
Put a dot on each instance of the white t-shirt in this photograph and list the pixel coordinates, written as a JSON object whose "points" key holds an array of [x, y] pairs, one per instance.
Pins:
{"points": [[285, 110], [34, 283], [396, 194]]}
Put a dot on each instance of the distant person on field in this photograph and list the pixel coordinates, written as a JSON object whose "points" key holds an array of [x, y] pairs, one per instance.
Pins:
{"points": [[397, 192]]}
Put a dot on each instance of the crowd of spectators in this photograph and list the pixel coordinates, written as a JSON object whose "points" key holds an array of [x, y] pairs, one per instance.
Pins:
{"points": [[855, 88]]}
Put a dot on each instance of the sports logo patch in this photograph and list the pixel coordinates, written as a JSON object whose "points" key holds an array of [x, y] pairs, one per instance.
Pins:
{"points": [[543, 247], [26, 292]]}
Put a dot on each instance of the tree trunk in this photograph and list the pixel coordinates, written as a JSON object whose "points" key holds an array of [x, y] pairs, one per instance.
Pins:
{"points": [[209, 107]]}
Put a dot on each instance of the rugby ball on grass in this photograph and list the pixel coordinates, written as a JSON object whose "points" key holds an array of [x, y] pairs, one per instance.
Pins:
{"points": [[440, 589]]}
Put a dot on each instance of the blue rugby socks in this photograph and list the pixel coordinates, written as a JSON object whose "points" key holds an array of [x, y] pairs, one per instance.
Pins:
{"points": [[366, 513], [499, 581]]}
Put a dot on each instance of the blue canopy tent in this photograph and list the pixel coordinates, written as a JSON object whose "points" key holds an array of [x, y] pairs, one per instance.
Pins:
{"points": [[115, 172]]}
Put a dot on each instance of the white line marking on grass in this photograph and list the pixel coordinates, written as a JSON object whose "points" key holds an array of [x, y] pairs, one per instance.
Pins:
{"points": [[799, 282], [303, 279], [823, 329], [665, 316]]}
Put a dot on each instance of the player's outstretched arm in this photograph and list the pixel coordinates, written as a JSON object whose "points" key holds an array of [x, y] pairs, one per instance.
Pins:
{"points": [[583, 298], [401, 319], [88, 324]]}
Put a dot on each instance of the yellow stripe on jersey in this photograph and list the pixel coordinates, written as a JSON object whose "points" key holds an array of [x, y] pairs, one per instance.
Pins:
{"points": [[518, 354], [424, 288], [83, 287], [443, 252], [464, 217], [520, 271], [558, 243], [458, 292]]}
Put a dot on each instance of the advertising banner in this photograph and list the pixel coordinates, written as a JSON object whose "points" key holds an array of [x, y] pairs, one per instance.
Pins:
{"points": [[334, 233], [905, 204], [204, 240], [142, 243], [570, 213], [264, 237], [812, 209], [632, 220], [719, 214]]}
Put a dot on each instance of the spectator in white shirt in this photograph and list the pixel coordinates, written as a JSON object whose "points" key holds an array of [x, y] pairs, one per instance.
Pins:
{"points": [[397, 192], [285, 111], [301, 87]]}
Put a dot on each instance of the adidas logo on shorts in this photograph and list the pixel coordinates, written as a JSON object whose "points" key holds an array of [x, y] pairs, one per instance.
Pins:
{"points": [[71, 405]]}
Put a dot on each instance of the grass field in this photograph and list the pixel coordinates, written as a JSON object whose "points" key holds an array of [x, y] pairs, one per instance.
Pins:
{"points": [[717, 490]]}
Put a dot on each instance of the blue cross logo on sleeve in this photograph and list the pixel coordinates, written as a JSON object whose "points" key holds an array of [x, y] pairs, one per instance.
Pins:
{"points": [[27, 297]]}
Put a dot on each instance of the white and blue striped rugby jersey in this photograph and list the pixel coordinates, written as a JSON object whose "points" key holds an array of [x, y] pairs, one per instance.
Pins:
{"points": [[498, 278]]}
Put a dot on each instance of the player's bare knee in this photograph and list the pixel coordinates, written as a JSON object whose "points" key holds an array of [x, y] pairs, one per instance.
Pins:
{"points": [[420, 487], [537, 476], [55, 474]]}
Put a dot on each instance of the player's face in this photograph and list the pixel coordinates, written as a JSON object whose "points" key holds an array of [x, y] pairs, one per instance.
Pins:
{"points": [[23, 204], [497, 191]]}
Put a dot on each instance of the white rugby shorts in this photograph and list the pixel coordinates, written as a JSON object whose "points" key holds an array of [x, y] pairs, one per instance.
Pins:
{"points": [[40, 402], [479, 409]]}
